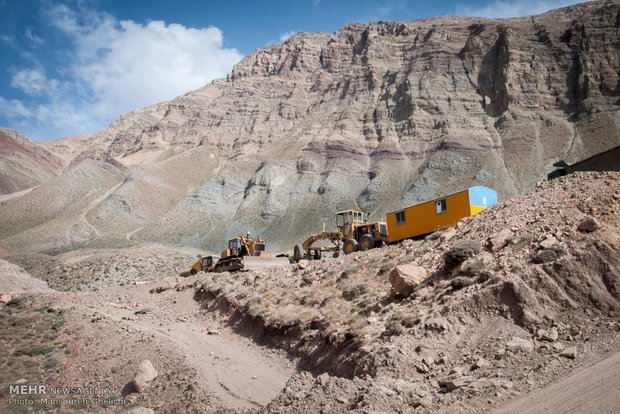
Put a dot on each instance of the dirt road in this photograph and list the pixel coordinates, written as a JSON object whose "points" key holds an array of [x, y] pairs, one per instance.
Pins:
{"points": [[595, 389], [238, 372]]}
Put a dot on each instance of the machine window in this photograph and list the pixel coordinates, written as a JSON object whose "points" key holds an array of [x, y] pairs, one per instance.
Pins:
{"points": [[400, 218], [441, 206]]}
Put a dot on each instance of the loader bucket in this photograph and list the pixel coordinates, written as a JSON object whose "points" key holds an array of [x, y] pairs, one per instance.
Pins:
{"points": [[264, 260]]}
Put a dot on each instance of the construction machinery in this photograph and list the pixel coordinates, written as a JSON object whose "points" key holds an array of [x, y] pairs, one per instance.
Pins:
{"points": [[243, 253], [248, 254], [354, 232], [204, 264]]}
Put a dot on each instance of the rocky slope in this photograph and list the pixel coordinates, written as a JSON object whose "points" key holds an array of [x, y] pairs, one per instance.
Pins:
{"points": [[517, 298], [372, 116], [24, 164]]}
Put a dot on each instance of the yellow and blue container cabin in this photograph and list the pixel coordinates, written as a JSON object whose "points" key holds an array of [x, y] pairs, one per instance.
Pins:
{"points": [[437, 214]]}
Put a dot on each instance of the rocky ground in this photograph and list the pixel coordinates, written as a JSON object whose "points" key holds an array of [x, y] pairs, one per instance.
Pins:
{"points": [[522, 296]]}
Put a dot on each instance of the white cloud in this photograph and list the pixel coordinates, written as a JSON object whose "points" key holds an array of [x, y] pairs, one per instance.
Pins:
{"points": [[519, 8], [31, 81], [117, 66], [286, 35], [14, 108], [36, 40]]}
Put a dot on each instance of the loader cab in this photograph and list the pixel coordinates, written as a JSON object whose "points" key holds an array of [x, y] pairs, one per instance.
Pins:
{"points": [[207, 262], [347, 221], [236, 247]]}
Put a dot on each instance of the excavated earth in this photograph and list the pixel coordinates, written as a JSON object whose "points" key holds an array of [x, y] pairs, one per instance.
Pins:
{"points": [[519, 311]]}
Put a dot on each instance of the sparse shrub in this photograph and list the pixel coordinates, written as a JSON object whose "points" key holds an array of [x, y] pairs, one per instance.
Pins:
{"points": [[353, 291], [307, 280], [393, 327], [36, 350], [549, 254], [50, 363], [405, 318], [461, 251], [433, 236], [348, 272], [15, 301], [18, 321]]}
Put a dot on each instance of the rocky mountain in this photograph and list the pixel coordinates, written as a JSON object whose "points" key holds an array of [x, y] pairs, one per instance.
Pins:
{"points": [[24, 164], [373, 116]]}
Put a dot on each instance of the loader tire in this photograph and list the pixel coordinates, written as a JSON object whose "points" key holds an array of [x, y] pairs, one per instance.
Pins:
{"points": [[349, 246], [193, 271], [367, 242], [298, 252], [317, 255]]}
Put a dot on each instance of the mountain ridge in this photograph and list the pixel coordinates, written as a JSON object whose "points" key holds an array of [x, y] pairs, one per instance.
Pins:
{"points": [[373, 116]]}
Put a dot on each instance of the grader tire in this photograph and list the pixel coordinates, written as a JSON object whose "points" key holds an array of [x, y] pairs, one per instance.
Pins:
{"points": [[298, 252], [367, 242], [349, 246]]}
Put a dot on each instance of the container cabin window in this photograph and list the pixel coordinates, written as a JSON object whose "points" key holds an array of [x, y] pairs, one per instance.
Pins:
{"points": [[441, 206], [400, 218]]}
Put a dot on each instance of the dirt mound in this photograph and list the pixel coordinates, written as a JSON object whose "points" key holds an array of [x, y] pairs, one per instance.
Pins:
{"points": [[15, 279]]}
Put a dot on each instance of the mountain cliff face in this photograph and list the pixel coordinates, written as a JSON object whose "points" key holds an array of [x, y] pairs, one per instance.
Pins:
{"points": [[373, 116]]}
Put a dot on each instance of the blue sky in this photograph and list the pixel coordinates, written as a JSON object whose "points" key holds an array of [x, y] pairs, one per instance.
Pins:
{"points": [[73, 66]]}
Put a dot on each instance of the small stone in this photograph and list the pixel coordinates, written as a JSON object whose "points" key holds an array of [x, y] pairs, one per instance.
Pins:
{"points": [[549, 241], [302, 264], [530, 319], [550, 336], [454, 383], [499, 240], [429, 361], [448, 234], [481, 363], [558, 346], [588, 225], [142, 311], [342, 400], [6, 297], [323, 379], [570, 353], [519, 345], [145, 376], [212, 332], [421, 368], [405, 278]]}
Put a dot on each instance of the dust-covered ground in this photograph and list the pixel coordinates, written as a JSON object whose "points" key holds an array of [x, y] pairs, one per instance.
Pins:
{"points": [[519, 307]]}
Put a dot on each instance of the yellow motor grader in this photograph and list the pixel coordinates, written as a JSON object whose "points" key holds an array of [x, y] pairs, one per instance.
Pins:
{"points": [[243, 253], [354, 232]]}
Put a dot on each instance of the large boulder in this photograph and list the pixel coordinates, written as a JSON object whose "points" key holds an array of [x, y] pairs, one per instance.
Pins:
{"points": [[404, 278], [145, 376]]}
